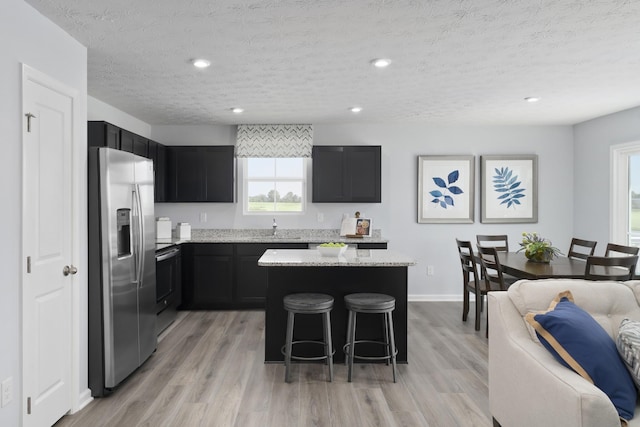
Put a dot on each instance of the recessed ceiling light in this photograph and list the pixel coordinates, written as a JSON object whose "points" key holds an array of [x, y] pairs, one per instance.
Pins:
{"points": [[355, 109], [237, 110], [201, 63], [532, 99], [381, 62]]}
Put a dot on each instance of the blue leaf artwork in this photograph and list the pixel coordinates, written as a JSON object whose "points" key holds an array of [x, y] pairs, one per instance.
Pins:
{"points": [[440, 197], [506, 184]]}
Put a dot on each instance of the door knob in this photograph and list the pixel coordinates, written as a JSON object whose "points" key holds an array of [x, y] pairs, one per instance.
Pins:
{"points": [[69, 269]]}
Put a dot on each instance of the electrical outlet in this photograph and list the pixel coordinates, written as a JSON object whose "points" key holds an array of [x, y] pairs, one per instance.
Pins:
{"points": [[320, 217], [203, 217], [7, 391], [430, 270]]}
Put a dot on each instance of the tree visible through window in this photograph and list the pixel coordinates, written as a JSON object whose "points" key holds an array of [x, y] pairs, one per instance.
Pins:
{"points": [[274, 185]]}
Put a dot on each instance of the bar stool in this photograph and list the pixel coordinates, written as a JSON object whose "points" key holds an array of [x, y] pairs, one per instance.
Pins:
{"points": [[377, 304], [308, 303]]}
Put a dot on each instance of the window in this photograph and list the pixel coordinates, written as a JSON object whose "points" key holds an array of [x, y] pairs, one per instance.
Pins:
{"points": [[274, 185], [625, 206]]}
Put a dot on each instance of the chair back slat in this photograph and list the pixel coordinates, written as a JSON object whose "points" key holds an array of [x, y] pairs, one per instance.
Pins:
{"points": [[581, 248], [467, 259], [620, 249], [498, 241], [610, 268], [491, 268]]}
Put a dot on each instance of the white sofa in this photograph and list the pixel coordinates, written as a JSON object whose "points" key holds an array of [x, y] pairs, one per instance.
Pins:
{"points": [[527, 386]]}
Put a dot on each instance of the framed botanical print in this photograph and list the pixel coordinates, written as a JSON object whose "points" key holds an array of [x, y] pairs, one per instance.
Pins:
{"points": [[509, 189], [445, 189]]}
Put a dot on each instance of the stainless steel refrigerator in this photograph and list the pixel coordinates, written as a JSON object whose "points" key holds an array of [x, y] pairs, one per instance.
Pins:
{"points": [[122, 276]]}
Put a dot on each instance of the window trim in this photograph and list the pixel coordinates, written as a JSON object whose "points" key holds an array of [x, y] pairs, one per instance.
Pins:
{"points": [[245, 188], [619, 206]]}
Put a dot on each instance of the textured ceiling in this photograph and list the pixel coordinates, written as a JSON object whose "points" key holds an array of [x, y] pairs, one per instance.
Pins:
{"points": [[307, 61]]}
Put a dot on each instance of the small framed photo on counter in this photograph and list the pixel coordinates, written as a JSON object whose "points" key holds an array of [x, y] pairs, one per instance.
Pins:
{"points": [[363, 227]]}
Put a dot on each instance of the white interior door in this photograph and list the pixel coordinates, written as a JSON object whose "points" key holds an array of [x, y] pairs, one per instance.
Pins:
{"points": [[47, 231]]}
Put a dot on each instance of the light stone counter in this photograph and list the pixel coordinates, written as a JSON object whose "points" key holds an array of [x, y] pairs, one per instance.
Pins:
{"points": [[351, 258], [266, 236]]}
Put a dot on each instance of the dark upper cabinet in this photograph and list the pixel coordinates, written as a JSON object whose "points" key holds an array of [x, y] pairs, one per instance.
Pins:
{"points": [[103, 134], [158, 153], [133, 143], [201, 173], [350, 173]]}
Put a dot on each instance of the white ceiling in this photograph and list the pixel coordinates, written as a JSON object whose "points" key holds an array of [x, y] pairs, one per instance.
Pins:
{"points": [[307, 61]]}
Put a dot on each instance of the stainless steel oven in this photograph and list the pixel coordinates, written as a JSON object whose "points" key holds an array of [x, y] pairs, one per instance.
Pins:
{"points": [[168, 290]]}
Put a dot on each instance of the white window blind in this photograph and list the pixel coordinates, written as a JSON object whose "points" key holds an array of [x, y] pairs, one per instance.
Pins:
{"points": [[274, 141]]}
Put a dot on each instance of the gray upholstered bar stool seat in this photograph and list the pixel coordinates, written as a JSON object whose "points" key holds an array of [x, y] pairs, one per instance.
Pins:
{"points": [[370, 303], [308, 303]]}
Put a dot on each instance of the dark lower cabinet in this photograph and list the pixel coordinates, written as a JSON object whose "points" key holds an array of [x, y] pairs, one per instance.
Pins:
{"points": [[225, 275], [207, 275], [251, 279]]}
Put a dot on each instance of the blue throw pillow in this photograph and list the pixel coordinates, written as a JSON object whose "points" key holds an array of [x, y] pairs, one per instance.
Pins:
{"points": [[577, 341]]}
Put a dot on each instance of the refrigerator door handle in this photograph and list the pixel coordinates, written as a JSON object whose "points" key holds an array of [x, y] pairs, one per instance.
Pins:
{"points": [[142, 251], [140, 235]]}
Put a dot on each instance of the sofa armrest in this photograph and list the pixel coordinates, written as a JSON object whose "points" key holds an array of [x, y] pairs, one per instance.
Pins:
{"points": [[528, 387]]}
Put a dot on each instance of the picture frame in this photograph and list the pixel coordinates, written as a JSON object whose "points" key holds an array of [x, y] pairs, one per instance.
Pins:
{"points": [[509, 189], [364, 227], [446, 189]]}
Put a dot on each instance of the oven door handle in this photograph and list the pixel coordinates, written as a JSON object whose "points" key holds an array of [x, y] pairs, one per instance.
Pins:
{"points": [[167, 255]]}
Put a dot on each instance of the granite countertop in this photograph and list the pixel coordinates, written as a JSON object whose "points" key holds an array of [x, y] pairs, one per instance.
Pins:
{"points": [[266, 236], [351, 258]]}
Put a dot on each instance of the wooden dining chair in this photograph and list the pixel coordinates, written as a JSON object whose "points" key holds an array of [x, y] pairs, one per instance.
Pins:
{"points": [[581, 248], [620, 249], [471, 281], [498, 241], [491, 271], [610, 268]]}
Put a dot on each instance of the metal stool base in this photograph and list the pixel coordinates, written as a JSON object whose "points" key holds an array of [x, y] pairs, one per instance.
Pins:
{"points": [[377, 304], [308, 304]]}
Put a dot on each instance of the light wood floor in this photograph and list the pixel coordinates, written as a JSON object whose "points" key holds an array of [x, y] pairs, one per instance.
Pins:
{"points": [[209, 371]]}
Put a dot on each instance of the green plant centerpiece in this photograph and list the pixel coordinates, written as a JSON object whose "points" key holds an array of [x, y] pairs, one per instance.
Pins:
{"points": [[537, 249]]}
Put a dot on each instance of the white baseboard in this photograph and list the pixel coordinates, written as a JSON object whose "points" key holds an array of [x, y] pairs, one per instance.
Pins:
{"points": [[83, 400], [440, 298]]}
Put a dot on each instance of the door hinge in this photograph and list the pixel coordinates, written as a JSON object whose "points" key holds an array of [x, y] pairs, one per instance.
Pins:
{"points": [[28, 406], [29, 116], [28, 264]]}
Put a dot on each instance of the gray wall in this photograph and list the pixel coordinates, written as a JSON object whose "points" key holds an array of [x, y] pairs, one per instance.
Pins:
{"points": [[27, 37], [592, 142], [430, 244]]}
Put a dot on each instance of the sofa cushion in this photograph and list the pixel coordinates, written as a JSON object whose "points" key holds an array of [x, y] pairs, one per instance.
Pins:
{"points": [[577, 341], [607, 302], [628, 344]]}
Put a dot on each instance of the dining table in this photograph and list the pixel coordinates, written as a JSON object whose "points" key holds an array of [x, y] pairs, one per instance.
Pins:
{"points": [[517, 265]]}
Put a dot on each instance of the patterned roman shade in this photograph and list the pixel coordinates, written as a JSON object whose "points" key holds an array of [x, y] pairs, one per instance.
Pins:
{"points": [[274, 140]]}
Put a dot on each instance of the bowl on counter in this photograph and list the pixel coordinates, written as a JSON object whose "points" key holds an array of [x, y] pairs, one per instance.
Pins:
{"points": [[332, 251]]}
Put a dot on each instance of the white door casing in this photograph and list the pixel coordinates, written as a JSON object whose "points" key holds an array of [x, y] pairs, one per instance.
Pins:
{"points": [[619, 204], [47, 247]]}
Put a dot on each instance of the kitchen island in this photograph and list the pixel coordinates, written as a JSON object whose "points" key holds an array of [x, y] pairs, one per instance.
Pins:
{"points": [[358, 270]]}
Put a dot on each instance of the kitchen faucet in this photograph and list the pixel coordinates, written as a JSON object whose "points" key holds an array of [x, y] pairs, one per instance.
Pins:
{"points": [[275, 227]]}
